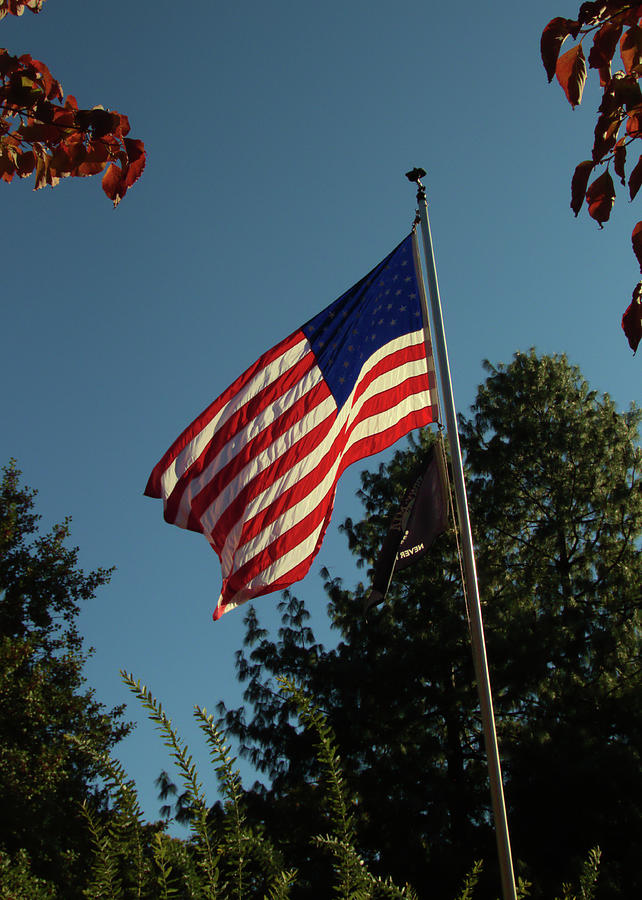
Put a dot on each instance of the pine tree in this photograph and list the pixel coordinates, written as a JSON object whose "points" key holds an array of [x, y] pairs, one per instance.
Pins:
{"points": [[556, 507]]}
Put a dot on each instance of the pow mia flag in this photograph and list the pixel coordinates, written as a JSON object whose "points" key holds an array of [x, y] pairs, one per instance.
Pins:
{"points": [[422, 516]]}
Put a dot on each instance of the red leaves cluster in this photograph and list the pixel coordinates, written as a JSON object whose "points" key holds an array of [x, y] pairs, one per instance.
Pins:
{"points": [[17, 7], [39, 133], [611, 25]]}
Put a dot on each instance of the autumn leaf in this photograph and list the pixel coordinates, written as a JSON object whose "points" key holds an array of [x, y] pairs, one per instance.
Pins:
{"points": [[632, 320], [604, 44], [606, 131], [579, 183], [17, 7], [117, 179], [600, 197], [571, 74], [635, 179], [553, 37], [631, 49], [26, 163], [636, 240], [634, 122], [619, 159], [625, 91]]}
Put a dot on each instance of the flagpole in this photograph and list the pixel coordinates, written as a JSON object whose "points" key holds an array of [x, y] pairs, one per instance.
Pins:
{"points": [[470, 572]]}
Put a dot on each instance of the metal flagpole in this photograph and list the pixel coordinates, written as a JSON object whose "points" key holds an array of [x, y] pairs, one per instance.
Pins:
{"points": [[470, 572]]}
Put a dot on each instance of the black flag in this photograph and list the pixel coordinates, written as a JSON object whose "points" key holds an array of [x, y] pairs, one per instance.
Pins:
{"points": [[422, 516]]}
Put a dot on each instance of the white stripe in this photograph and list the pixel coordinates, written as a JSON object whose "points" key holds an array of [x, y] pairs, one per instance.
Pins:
{"points": [[216, 509], [240, 439], [373, 424], [292, 516], [200, 442], [281, 566]]}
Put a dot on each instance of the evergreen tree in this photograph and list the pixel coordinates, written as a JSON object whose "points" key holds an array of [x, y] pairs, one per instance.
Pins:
{"points": [[554, 488], [44, 776]]}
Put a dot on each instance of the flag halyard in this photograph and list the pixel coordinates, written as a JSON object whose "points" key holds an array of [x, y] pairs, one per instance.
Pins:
{"points": [[256, 472]]}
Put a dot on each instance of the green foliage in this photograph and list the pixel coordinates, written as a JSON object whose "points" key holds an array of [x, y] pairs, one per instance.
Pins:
{"points": [[43, 777], [226, 858], [554, 488], [587, 879], [17, 882], [205, 852]]}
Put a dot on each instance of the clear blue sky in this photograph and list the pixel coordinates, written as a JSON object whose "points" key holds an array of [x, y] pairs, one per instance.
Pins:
{"points": [[278, 136]]}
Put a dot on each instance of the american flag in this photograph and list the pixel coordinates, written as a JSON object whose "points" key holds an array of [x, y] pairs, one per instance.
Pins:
{"points": [[256, 472]]}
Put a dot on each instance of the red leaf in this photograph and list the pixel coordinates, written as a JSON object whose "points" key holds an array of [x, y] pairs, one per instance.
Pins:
{"points": [[631, 49], [53, 90], [7, 169], [44, 134], [571, 74], [632, 321], [634, 122], [8, 63], [604, 44], [94, 161], [63, 118], [553, 37], [123, 127], [137, 158], [635, 179], [625, 91], [113, 184], [606, 131], [636, 240], [600, 197], [99, 121], [26, 163], [619, 159], [579, 183]]}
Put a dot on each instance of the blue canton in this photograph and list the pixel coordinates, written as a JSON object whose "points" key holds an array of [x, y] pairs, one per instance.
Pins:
{"points": [[379, 308]]}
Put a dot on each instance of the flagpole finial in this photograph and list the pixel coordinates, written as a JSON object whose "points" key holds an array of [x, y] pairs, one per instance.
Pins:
{"points": [[415, 175]]}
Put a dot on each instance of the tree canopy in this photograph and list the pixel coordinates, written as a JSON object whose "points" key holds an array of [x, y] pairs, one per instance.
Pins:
{"points": [[44, 777], [554, 482]]}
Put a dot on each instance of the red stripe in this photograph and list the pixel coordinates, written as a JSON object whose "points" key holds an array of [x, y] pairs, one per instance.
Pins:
{"points": [[393, 360], [281, 545], [298, 451], [373, 444], [153, 488], [299, 571], [237, 422]]}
